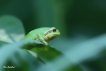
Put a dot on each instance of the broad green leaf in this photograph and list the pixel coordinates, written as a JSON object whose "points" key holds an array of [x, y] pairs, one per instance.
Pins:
{"points": [[48, 52], [11, 29]]}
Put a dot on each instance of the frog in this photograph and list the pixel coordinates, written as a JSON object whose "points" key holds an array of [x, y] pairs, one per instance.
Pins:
{"points": [[43, 34]]}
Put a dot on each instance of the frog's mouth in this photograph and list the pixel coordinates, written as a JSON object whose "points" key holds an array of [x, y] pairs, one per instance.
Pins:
{"points": [[51, 37]]}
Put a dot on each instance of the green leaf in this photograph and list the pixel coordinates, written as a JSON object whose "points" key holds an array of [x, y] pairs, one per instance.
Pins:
{"points": [[35, 55], [56, 58], [13, 55], [11, 29], [3, 43], [48, 52]]}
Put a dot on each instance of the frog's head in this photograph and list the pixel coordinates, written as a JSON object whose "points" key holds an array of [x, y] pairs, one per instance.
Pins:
{"points": [[51, 33]]}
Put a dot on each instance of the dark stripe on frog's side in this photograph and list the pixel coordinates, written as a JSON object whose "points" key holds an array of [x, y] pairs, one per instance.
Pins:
{"points": [[48, 32]]}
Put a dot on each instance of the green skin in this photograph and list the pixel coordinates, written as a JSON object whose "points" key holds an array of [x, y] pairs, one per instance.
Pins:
{"points": [[44, 35]]}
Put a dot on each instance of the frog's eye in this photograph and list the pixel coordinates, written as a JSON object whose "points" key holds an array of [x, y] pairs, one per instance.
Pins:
{"points": [[54, 30]]}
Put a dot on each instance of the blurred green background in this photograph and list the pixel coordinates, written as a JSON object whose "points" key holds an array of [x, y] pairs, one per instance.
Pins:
{"points": [[82, 24]]}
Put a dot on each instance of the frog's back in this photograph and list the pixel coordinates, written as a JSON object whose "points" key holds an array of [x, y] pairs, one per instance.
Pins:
{"points": [[33, 34]]}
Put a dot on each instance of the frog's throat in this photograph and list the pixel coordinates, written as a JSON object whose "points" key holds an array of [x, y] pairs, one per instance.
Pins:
{"points": [[49, 38]]}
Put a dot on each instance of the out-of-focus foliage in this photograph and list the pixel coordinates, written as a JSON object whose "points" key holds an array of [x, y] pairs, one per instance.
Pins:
{"points": [[13, 58], [80, 47], [11, 29]]}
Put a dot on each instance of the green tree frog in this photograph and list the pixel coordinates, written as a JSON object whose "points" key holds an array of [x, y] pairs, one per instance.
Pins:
{"points": [[44, 34]]}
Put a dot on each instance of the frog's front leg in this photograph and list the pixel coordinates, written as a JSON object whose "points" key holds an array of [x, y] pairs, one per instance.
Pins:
{"points": [[41, 38]]}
